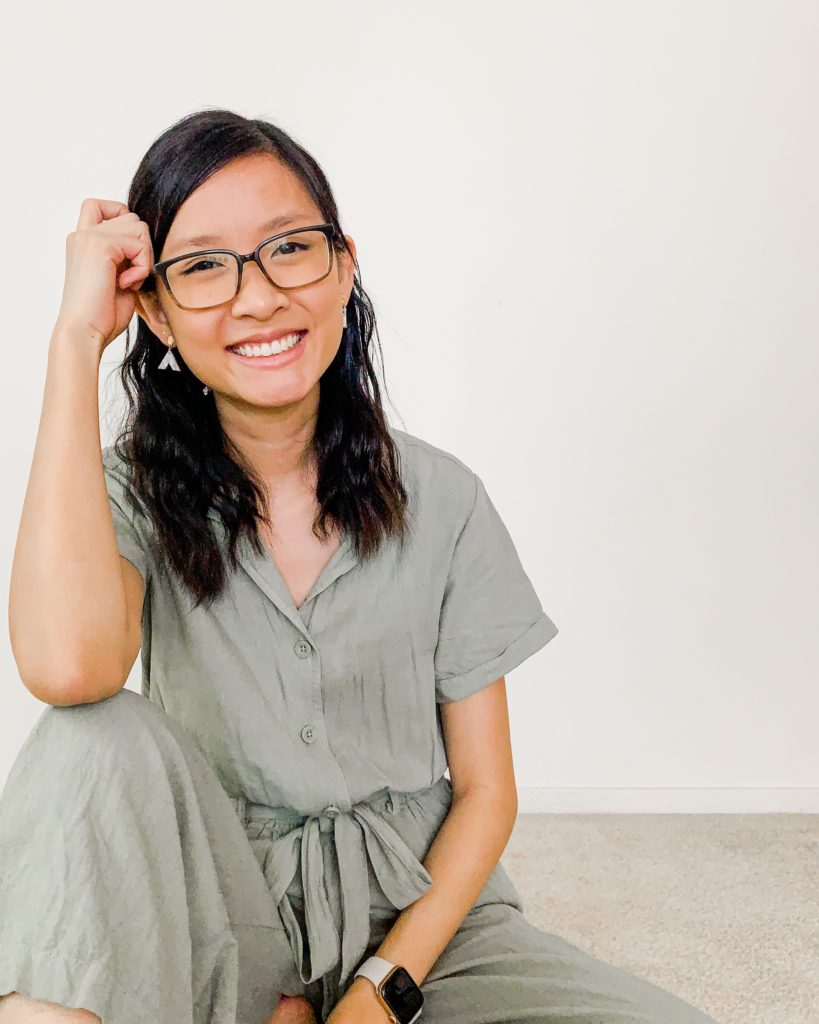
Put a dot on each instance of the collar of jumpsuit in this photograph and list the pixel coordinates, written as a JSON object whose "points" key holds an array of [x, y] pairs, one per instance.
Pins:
{"points": [[360, 833]]}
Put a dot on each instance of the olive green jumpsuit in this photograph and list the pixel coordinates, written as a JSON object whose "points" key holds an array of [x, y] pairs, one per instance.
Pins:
{"points": [[255, 819]]}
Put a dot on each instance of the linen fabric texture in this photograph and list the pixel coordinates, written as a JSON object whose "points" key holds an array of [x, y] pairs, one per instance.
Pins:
{"points": [[253, 821]]}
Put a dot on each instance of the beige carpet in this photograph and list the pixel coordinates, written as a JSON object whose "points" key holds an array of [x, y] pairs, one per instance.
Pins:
{"points": [[721, 909]]}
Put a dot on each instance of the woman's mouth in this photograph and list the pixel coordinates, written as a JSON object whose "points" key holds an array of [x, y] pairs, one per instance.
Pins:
{"points": [[262, 356]]}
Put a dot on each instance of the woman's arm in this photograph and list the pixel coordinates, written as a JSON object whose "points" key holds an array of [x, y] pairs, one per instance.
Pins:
{"points": [[469, 843], [67, 611]]}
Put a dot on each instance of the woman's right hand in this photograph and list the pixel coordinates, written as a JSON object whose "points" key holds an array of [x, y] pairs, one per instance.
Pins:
{"points": [[108, 257]]}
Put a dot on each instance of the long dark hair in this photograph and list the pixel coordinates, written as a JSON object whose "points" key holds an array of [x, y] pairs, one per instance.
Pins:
{"points": [[183, 468]]}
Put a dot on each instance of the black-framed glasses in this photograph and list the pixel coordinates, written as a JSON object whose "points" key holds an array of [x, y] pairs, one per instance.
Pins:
{"points": [[209, 277]]}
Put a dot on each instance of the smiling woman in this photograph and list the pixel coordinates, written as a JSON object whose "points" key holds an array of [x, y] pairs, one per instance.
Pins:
{"points": [[328, 608], [250, 254]]}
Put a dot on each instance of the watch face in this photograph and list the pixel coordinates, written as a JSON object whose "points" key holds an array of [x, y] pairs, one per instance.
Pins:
{"points": [[402, 995]]}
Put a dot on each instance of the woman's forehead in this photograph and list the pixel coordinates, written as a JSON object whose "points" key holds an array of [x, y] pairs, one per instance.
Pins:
{"points": [[231, 209]]}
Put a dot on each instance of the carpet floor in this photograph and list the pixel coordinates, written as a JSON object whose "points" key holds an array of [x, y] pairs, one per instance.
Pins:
{"points": [[721, 909]]}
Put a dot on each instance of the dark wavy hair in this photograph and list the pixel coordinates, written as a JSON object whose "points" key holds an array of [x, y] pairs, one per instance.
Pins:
{"points": [[182, 466]]}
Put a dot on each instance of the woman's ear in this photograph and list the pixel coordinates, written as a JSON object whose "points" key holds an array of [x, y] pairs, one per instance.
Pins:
{"points": [[347, 268], [146, 305]]}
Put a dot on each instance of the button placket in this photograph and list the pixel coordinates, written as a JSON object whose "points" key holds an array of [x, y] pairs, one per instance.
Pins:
{"points": [[304, 649]]}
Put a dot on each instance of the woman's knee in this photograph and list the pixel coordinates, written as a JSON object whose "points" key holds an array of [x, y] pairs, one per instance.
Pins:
{"points": [[119, 756], [102, 723], [123, 734]]}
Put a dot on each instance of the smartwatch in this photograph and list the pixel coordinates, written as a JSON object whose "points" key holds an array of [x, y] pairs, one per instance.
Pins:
{"points": [[394, 987]]}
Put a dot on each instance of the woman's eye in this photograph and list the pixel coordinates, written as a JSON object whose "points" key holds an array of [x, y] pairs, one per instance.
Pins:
{"points": [[203, 264], [291, 245]]}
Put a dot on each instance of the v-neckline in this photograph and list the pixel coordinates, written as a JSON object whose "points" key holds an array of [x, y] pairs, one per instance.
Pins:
{"points": [[267, 575], [308, 596]]}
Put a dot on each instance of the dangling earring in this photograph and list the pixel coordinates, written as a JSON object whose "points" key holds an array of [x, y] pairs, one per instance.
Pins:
{"points": [[344, 311], [170, 358], [205, 390]]}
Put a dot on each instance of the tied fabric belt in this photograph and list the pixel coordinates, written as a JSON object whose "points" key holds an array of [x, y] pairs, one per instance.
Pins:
{"points": [[361, 835]]}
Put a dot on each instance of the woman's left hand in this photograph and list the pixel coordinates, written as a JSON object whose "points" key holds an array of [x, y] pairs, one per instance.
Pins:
{"points": [[359, 1005]]}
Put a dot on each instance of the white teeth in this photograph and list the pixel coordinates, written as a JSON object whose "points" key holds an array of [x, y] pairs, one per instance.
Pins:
{"points": [[268, 348]]}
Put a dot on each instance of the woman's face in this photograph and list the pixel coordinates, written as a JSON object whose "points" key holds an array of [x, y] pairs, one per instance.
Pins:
{"points": [[233, 206]]}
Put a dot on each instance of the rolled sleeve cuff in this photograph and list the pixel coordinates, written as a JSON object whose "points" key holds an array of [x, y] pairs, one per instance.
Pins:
{"points": [[531, 640]]}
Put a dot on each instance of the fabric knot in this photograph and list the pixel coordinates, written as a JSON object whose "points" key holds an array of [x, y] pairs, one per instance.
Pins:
{"points": [[362, 837]]}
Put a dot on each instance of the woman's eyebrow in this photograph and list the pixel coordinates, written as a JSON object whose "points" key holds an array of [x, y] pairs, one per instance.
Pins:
{"points": [[271, 225]]}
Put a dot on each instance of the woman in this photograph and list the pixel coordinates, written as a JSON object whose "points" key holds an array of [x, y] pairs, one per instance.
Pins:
{"points": [[327, 607]]}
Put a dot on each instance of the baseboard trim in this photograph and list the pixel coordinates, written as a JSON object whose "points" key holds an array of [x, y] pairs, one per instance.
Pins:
{"points": [[534, 800]]}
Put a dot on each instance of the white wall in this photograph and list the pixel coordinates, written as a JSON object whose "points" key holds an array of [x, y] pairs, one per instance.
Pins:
{"points": [[622, 341]]}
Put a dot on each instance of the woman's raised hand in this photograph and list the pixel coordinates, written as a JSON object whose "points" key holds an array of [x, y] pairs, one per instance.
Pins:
{"points": [[108, 257]]}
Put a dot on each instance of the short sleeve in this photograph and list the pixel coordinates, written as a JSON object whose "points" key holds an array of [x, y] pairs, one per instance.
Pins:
{"points": [[130, 525], [491, 618]]}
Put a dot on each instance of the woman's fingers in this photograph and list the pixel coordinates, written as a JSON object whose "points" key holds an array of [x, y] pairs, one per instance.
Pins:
{"points": [[95, 211]]}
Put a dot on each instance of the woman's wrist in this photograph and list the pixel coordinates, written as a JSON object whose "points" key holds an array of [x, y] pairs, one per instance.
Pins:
{"points": [[364, 989], [77, 338]]}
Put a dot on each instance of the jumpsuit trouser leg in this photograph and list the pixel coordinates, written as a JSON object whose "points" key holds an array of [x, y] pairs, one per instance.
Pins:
{"points": [[128, 886], [499, 968]]}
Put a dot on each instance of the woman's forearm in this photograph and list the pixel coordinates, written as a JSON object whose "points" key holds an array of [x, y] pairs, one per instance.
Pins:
{"points": [[461, 858], [67, 610]]}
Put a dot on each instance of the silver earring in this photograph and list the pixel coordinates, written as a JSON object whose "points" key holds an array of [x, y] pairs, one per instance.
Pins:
{"points": [[344, 311], [170, 359], [205, 390]]}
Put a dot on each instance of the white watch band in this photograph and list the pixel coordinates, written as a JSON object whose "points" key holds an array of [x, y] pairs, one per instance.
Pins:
{"points": [[376, 968]]}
